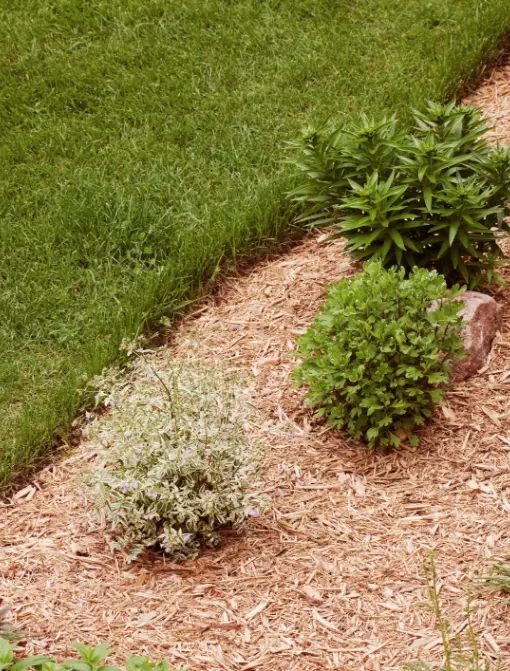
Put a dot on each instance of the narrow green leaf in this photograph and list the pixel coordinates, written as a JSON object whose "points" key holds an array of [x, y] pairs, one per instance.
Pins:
{"points": [[454, 252], [427, 196], [34, 662], [464, 271], [397, 238], [453, 232], [386, 248], [444, 248]]}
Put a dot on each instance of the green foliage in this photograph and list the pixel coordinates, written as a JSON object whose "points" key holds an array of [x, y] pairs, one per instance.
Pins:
{"points": [[375, 360], [461, 653], [499, 577], [433, 195], [177, 463], [90, 659], [140, 149]]}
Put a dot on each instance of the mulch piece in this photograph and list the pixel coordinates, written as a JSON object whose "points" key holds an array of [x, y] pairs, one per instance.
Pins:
{"points": [[331, 577], [494, 97]]}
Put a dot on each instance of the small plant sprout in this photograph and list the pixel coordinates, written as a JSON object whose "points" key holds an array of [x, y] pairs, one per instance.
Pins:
{"points": [[91, 658], [460, 653], [499, 577]]}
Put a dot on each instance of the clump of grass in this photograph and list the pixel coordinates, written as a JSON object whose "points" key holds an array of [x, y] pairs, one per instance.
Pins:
{"points": [[140, 152]]}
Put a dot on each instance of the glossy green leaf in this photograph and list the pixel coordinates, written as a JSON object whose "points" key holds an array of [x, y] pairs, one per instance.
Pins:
{"points": [[453, 232], [397, 238]]}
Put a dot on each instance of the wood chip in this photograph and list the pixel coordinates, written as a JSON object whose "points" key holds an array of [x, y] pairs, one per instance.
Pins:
{"points": [[255, 611]]}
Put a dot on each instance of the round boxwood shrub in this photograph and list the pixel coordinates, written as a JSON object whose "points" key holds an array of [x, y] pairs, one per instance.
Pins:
{"points": [[376, 358], [176, 463]]}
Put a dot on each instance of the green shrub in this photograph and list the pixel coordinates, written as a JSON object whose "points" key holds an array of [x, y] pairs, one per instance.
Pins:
{"points": [[177, 460], [433, 195], [90, 659], [376, 358]]}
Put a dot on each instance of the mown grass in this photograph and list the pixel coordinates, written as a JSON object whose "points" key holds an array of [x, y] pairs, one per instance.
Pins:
{"points": [[142, 146]]}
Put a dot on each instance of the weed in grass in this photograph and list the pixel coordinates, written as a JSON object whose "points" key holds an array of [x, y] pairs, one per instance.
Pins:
{"points": [[140, 152]]}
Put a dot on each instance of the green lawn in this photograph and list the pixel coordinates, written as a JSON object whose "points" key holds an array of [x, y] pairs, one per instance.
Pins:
{"points": [[142, 144]]}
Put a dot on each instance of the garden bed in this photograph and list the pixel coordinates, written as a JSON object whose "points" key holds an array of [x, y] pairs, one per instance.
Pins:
{"points": [[331, 577]]}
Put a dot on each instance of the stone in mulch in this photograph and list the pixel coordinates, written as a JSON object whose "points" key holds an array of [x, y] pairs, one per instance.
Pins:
{"points": [[483, 318]]}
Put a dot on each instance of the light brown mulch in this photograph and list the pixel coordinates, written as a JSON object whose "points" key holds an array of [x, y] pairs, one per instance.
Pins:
{"points": [[331, 577], [494, 97]]}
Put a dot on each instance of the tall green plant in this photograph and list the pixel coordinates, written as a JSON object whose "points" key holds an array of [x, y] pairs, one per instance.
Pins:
{"points": [[433, 195]]}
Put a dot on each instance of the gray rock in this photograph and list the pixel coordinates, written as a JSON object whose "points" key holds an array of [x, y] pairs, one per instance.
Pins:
{"points": [[482, 319]]}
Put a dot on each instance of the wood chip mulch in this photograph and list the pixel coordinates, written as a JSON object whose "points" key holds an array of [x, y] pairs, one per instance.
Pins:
{"points": [[331, 577]]}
